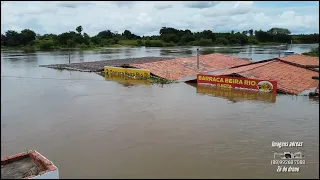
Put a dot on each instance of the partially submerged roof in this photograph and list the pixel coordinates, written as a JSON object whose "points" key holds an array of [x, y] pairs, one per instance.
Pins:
{"points": [[177, 68], [301, 60], [290, 78]]}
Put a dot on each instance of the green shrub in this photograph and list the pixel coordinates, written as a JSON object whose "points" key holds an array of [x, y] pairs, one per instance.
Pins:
{"points": [[170, 44], [314, 52], [221, 41], [191, 43], [71, 43], [139, 42], [29, 49], [46, 45], [81, 46], [253, 41], [154, 43], [201, 42]]}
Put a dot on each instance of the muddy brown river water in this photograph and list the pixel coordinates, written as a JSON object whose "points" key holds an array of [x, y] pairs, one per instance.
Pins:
{"points": [[93, 128]]}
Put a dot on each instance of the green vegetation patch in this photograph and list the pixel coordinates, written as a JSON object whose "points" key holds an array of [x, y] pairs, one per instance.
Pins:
{"points": [[29, 41], [159, 80], [314, 52]]}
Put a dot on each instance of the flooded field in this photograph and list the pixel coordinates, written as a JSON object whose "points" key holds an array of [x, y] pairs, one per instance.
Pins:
{"points": [[94, 128]]}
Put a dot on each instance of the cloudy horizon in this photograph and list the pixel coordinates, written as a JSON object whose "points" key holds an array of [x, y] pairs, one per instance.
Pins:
{"points": [[147, 18]]}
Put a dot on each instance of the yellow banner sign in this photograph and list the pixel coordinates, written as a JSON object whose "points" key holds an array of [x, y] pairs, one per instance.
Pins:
{"points": [[127, 72]]}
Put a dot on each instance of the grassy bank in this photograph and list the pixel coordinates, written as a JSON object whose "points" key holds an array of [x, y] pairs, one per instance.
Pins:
{"points": [[314, 52], [159, 80]]}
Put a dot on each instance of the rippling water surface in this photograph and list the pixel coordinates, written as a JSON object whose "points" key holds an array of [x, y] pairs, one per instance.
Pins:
{"points": [[93, 128]]}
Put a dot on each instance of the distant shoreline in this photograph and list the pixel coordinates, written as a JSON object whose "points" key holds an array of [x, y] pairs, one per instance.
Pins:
{"points": [[28, 41], [33, 48]]}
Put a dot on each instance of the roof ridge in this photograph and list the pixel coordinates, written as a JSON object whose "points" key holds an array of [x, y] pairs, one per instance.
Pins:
{"points": [[224, 55], [262, 64], [296, 65]]}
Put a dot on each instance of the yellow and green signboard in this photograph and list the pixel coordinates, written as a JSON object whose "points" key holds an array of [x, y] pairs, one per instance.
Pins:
{"points": [[126, 72]]}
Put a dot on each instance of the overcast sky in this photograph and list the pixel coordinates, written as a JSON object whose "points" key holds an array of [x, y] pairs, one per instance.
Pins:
{"points": [[146, 18]]}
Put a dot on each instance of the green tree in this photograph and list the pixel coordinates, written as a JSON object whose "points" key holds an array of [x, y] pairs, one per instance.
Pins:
{"points": [[204, 42], [263, 36], [27, 36], [186, 38], [168, 30], [244, 32], [306, 38], [46, 45], [78, 39], [276, 31], [187, 31], [251, 32], [116, 40], [127, 34], [12, 38], [106, 34], [3, 40], [86, 39], [207, 34], [47, 36], [65, 37], [96, 40], [253, 40], [222, 41], [168, 36], [71, 43], [79, 29]]}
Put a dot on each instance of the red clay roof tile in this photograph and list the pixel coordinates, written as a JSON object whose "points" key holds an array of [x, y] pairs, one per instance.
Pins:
{"points": [[181, 67], [290, 79], [301, 59]]}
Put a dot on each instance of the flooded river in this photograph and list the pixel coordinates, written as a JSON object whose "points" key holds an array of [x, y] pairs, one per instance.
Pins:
{"points": [[93, 128]]}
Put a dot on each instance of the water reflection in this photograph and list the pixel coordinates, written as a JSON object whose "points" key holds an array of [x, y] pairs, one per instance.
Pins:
{"points": [[255, 52], [125, 81], [176, 52], [127, 52], [207, 51], [171, 129], [31, 58], [110, 50], [314, 99], [236, 95], [27, 58], [81, 56]]}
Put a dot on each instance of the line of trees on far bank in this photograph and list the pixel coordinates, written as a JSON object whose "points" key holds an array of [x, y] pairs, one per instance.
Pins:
{"points": [[168, 36]]}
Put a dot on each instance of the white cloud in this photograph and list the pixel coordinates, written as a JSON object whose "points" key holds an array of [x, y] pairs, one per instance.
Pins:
{"points": [[163, 5], [146, 18], [201, 4], [73, 4]]}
